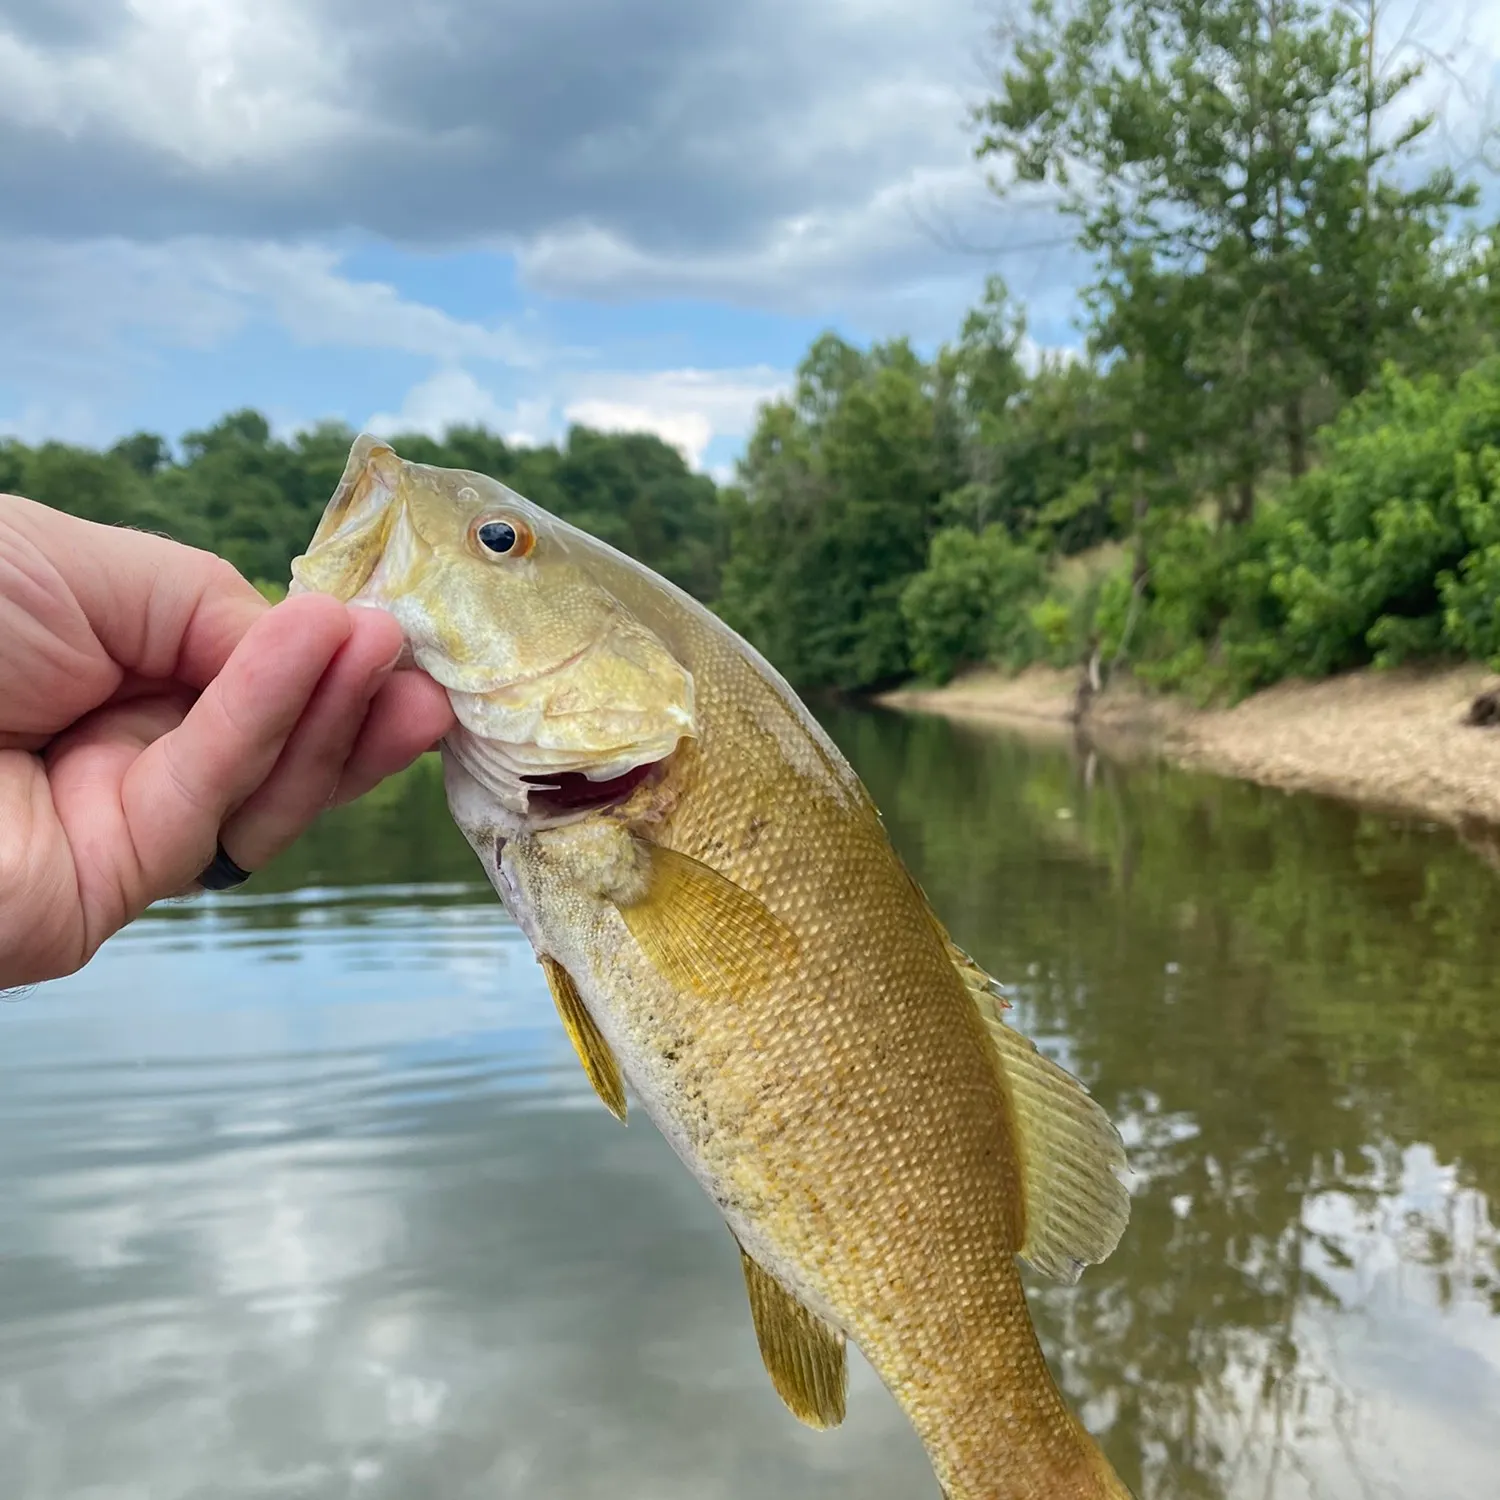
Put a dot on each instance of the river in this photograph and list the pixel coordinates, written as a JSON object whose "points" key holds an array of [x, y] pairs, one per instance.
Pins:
{"points": [[303, 1194]]}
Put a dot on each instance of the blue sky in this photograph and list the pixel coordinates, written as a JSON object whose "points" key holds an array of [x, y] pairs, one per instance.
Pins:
{"points": [[633, 213]]}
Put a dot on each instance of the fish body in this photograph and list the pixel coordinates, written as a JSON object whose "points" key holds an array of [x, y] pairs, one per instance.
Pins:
{"points": [[725, 925]]}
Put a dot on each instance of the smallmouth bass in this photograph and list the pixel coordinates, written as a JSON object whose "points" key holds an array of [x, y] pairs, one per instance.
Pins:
{"points": [[723, 923]]}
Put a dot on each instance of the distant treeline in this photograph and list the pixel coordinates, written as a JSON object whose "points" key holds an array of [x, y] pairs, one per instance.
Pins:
{"points": [[256, 499], [1276, 453]]}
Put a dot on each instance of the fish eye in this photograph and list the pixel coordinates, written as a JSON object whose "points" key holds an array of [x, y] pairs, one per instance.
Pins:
{"points": [[499, 536]]}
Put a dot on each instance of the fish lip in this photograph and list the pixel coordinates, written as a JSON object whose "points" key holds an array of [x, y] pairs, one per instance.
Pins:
{"points": [[407, 660]]}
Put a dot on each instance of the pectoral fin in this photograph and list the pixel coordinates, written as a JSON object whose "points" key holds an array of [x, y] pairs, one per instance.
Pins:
{"points": [[803, 1355], [593, 1051], [704, 933]]}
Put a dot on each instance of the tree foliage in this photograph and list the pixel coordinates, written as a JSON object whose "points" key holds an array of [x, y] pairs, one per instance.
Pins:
{"points": [[839, 498], [971, 603], [1260, 235], [879, 456]]}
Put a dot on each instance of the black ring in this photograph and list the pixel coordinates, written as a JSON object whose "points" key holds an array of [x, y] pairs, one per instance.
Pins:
{"points": [[223, 874]]}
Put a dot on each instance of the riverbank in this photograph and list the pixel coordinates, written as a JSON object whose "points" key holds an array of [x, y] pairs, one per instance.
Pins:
{"points": [[1396, 740]]}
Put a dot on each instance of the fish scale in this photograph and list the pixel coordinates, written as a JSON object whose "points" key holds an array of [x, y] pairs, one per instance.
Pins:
{"points": [[754, 958]]}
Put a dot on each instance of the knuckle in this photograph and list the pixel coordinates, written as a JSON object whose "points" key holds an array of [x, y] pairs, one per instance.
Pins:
{"points": [[222, 574], [192, 786]]}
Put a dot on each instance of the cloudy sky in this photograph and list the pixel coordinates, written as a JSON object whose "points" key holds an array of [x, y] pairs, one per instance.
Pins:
{"points": [[521, 212]]}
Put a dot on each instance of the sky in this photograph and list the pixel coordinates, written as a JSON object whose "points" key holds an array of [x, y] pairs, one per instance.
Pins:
{"points": [[524, 213]]}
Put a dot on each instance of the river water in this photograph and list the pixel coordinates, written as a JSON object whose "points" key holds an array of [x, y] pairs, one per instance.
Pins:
{"points": [[303, 1194]]}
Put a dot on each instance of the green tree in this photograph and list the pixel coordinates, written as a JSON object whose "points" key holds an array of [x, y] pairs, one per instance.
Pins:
{"points": [[1225, 162], [970, 604], [256, 499], [243, 489], [635, 492], [92, 485], [145, 452], [838, 500], [12, 465]]}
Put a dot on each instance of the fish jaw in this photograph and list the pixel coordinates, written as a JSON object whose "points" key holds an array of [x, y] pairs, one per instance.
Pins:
{"points": [[619, 706], [548, 674]]}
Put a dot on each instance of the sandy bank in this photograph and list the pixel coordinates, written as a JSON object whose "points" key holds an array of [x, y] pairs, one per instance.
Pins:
{"points": [[1392, 739]]}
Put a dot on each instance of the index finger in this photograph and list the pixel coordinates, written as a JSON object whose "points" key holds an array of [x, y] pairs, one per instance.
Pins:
{"points": [[157, 607]]}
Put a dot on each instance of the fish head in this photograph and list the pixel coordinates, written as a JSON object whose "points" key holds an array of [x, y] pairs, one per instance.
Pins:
{"points": [[551, 678]]}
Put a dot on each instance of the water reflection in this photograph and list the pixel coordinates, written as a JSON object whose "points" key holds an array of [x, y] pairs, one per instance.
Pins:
{"points": [[303, 1194], [1288, 1005]]}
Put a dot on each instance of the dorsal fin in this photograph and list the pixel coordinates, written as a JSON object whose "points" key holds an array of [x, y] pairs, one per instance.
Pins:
{"points": [[1076, 1208], [985, 990]]}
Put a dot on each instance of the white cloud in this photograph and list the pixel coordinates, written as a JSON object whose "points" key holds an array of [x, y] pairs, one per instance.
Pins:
{"points": [[75, 315], [453, 398], [686, 408], [214, 83], [736, 145], [688, 431], [39, 421], [302, 287], [173, 172], [804, 261], [195, 292]]}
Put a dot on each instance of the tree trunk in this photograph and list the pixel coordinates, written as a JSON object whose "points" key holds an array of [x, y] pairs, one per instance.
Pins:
{"points": [[1141, 564], [1242, 505], [1296, 437]]}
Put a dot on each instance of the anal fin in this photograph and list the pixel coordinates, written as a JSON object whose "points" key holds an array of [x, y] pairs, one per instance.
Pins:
{"points": [[593, 1051], [802, 1354]]}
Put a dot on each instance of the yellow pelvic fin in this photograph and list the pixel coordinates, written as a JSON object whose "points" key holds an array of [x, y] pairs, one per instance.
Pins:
{"points": [[593, 1051], [803, 1355], [704, 933]]}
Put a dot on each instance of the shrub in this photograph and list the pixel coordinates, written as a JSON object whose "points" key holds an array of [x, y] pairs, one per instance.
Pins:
{"points": [[972, 602], [1388, 552], [1378, 554]]}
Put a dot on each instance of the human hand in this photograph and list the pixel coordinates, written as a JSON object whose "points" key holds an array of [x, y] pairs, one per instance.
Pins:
{"points": [[151, 704]]}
